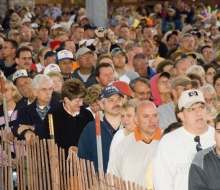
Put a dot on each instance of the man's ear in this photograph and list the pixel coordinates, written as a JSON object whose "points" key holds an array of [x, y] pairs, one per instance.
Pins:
{"points": [[65, 99], [181, 116], [174, 93], [132, 94], [97, 79], [135, 120], [101, 104], [174, 71]]}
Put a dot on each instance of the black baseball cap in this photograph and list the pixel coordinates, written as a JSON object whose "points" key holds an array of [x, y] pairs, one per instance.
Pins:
{"points": [[89, 26]]}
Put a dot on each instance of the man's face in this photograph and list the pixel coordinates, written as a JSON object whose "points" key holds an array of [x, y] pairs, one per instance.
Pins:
{"points": [[37, 43], [65, 66], [125, 33], [207, 54], [141, 91], [170, 13], [43, 93], [43, 33], [12, 24], [173, 40], [148, 33], [217, 138], [54, 32], [147, 49], [135, 50], [73, 26], [181, 68], [25, 34], [14, 37], [214, 30], [24, 86], [25, 60], [78, 34], [49, 60], [112, 105], [217, 87], [86, 60], [106, 76], [187, 45], [146, 118], [90, 33], [70, 46], [179, 89], [7, 49], [119, 60], [194, 118], [140, 66]]}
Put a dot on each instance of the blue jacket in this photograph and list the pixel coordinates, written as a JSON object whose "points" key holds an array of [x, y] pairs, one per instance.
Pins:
{"points": [[151, 72], [29, 116], [87, 147]]}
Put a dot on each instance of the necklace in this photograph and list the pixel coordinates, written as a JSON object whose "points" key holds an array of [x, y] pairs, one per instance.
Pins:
{"points": [[109, 130]]}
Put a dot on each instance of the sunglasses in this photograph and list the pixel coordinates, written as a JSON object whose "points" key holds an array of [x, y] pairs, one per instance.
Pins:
{"points": [[198, 146]]}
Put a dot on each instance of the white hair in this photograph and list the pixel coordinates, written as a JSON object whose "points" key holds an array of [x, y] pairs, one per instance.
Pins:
{"points": [[195, 69], [39, 79], [208, 89]]}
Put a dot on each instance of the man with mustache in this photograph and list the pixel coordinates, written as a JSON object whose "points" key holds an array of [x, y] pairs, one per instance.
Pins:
{"points": [[33, 119], [23, 58], [111, 102]]}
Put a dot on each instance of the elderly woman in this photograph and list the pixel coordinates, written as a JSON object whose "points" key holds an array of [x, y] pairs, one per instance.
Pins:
{"points": [[210, 71], [196, 69], [209, 94], [92, 99], [211, 114], [160, 87]]}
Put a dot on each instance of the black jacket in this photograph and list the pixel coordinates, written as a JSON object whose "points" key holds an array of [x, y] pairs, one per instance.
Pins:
{"points": [[90, 81], [67, 129], [7, 70]]}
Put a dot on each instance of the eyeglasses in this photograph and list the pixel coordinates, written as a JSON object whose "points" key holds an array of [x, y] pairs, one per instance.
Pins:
{"points": [[26, 58], [164, 82], [198, 146], [208, 52], [78, 101], [143, 93], [208, 99], [44, 90], [65, 62], [86, 57], [23, 33]]}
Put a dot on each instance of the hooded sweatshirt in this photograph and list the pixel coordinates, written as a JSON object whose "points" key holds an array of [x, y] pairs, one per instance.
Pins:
{"points": [[155, 91]]}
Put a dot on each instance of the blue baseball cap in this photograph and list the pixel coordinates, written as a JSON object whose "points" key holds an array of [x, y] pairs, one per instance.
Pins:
{"points": [[112, 22], [110, 90], [171, 8]]}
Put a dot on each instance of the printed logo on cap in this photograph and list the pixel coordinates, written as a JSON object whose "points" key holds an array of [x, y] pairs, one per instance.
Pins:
{"points": [[193, 93]]}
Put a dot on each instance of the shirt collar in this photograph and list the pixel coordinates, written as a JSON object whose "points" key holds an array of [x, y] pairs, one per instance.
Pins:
{"points": [[138, 137], [74, 115]]}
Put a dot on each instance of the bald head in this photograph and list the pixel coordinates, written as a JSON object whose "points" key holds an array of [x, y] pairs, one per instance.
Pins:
{"points": [[146, 118], [144, 104]]}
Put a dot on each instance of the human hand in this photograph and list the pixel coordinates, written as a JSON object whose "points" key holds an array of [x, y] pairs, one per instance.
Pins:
{"points": [[28, 136], [25, 127]]}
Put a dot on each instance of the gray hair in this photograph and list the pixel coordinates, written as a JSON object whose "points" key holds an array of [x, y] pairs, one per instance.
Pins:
{"points": [[185, 36], [195, 69], [39, 79], [209, 90], [139, 79], [178, 61], [211, 110], [140, 56]]}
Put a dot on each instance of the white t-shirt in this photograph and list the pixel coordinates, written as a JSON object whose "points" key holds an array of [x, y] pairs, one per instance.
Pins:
{"points": [[174, 156]]}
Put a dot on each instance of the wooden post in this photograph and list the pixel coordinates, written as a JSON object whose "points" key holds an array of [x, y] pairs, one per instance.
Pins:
{"points": [[8, 150], [50, 117]]}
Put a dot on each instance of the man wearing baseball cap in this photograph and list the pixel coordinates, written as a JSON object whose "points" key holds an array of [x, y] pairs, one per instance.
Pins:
{"points": [[43, 32], [89, 31], [86, 70], [64, 60], [119, 60], [111, 102], [13, 35], [178, 148], [166, 111]]}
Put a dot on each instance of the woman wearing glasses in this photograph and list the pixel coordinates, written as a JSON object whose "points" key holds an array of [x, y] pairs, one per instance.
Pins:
{"points": [[160, 87]]}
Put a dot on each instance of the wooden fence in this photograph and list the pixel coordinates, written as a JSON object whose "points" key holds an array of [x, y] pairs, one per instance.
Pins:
{"points": [[41, 165]]}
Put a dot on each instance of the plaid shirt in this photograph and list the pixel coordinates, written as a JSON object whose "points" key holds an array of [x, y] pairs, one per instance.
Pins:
{"points": [[42, 112]]}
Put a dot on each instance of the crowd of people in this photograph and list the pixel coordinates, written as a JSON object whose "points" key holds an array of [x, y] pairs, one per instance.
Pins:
{"points": [[152, 75]]}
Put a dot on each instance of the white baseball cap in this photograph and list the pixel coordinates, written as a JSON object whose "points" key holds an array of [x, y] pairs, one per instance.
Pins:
{"points": [[19, 73], [64, 54], [190, 97], [25, 19], [52, 67], [55, 26]]}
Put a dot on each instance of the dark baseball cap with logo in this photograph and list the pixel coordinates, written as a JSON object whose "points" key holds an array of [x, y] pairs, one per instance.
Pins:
{"points": [[110, 90], [89, 27]]}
